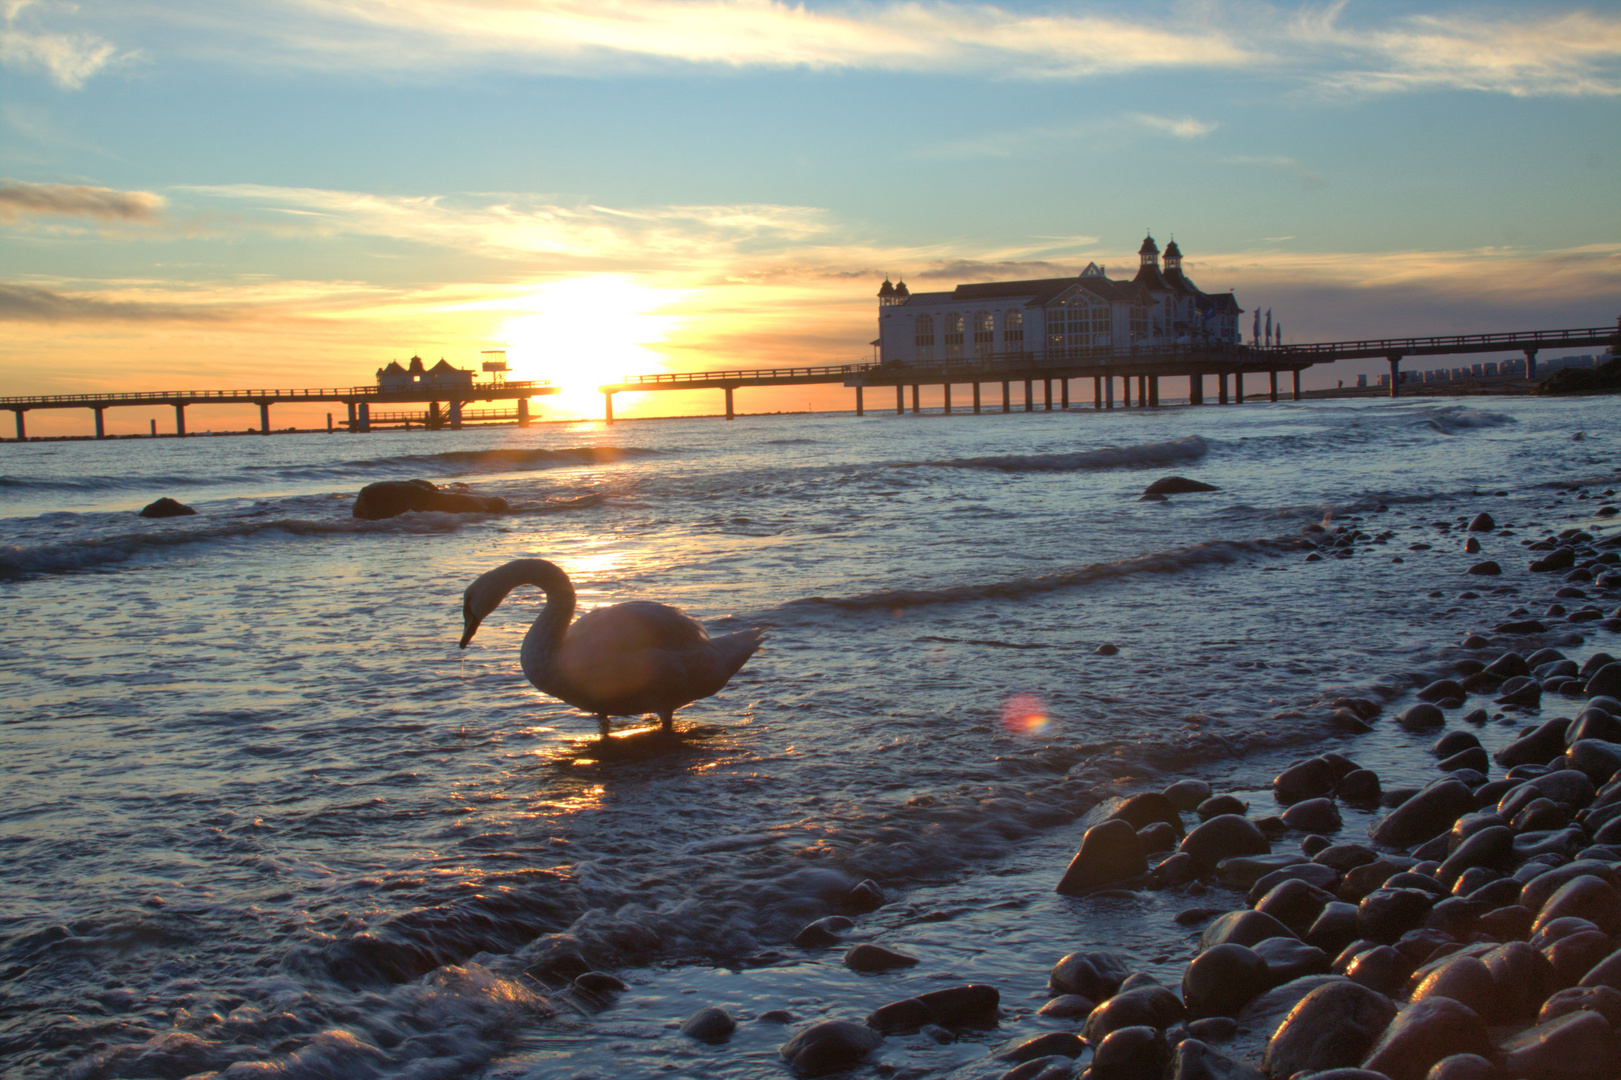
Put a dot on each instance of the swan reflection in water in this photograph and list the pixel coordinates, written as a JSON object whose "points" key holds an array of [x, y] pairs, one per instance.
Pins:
{"points": [[625, 660]]}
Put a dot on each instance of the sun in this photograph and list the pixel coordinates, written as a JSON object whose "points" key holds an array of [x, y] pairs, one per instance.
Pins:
{"points": [[582, 332]]}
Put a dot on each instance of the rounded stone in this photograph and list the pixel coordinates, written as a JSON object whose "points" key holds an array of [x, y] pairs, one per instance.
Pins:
{"points": [[1094, 974], [1242, 928], [1482, 522], [1109, 852], [1051, 1044], [1426, 815], [1222, 837], [1217, 805], [1222, 980], [1425, 1033], [709, 1024], [1584, 897], [1576, 1046], [1295, 903], [1067, 1007], [1604, 1000], [1313, 815], [1463, 1067], [1491, 847], [1484, 568], [1465, 980], [1606, 973], [1606, 681], [1384, 915], [1156, 838], [1359, 788], [1186, 795], [1470, 758], [1380, 968], [869, 958], [1129, 1054], [830, 1046], [1145, 808], [1304, 780], [1576, 956], [1151, 1006], [1422, 717], [1333, 1027]]}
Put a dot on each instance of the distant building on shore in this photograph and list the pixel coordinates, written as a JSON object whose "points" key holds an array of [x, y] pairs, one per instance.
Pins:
{"points": [[416, 377], [1056, 318]]}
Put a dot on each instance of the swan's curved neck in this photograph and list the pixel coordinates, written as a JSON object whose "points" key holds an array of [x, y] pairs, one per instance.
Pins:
{"points": [[552, 623]]}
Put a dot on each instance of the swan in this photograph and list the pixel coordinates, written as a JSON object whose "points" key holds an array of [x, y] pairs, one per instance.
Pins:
{"points": [[626, 660]]}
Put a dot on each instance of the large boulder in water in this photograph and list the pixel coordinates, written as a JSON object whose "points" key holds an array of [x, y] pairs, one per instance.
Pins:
{"points": [[390, 498], [1176, 485], [166, 507]]}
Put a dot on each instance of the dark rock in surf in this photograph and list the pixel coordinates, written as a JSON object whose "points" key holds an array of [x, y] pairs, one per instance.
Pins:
{"points": [[1315, 815], [830, 1046], [867, 957], [1222, 980], [1152, 1006], [1222, 837], [1422, 717], [864, 896], [1109, 852], [1128, 1053], [1428, 814], [1606, 681], [711, 1025], [1096, 975], [1177, 485], [1482, 522], [1485, 569], [1186, 795], [1106, 649], [1194, 1060], [391, 498], [166, 507], [1145, 809], [1052, 1044]]}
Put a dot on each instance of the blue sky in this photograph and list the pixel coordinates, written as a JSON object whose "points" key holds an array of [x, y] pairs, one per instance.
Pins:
{"points": [[313, 187]]}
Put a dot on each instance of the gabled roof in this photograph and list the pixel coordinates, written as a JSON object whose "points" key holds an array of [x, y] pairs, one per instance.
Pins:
{"points": [[392, 369], [444, 367], [992, 290], [1149, 275], [1179, 282]]}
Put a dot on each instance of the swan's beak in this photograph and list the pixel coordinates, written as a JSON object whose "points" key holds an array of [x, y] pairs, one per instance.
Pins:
{"points": [[470, 623]]}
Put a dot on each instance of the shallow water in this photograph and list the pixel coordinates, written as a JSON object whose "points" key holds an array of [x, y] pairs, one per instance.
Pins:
{"points": [[258, 808]]}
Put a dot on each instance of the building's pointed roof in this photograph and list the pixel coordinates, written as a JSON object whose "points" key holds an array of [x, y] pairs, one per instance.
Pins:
{"points": [[416, 365], [1172, 251], [392, 369], [445, 366], [901, 290], [886, 290], [1149, 247]]}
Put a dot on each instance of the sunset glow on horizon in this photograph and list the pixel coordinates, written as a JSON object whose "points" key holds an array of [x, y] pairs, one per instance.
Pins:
{"points": [[297, 194]]}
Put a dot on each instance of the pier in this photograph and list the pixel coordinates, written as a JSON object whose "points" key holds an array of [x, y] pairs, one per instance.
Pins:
{"points": [[1225, 364], [358, 400]]}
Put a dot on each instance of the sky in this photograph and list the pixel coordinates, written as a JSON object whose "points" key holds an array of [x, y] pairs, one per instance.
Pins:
{"points": [[291, 193]]}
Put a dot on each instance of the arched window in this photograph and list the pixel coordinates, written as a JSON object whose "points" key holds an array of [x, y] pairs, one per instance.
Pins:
{"points": [[1013, 331], [923, 337], [953, 340], [984, 333]]}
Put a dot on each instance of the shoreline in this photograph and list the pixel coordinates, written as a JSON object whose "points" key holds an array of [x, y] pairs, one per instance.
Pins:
{"points": [[1018, 1020]]}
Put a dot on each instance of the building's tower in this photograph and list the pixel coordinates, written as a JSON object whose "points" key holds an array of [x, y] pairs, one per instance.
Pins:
{"points": [[886, 294]]}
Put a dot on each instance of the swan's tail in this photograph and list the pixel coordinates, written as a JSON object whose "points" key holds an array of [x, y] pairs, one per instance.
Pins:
{"points": [[735, 649]]}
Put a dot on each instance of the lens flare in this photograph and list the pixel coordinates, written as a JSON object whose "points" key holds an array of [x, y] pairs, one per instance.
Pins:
{"points": [[1025, 714]]}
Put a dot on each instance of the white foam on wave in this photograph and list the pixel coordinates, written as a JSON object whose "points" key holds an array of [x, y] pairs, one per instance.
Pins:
{"points": [[1460, 419]]}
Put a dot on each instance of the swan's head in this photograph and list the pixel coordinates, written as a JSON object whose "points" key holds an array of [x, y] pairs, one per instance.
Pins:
{"points": [[475, 605]]}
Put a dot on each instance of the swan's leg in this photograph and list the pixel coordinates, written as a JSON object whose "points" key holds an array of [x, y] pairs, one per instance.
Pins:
{"points": [[602, 723]]}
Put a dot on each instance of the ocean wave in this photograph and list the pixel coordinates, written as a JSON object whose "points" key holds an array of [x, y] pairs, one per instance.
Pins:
{"points": [[1143, 455], [1212, 553], [72, 556], [503, 459], [1454, 421]]}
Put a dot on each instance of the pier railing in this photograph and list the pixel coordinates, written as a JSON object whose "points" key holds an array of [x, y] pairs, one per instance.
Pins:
{"points": [[336, 393]]}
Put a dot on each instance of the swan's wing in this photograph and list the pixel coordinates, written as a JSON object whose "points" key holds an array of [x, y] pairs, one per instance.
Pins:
{"points": [[642, 657]]}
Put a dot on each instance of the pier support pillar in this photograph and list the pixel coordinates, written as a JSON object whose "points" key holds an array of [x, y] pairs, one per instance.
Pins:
{"points": [[1047, 394], [1125, 391], [860, 411], [1153, 391], [1108, 391], [329, 423], [101, 423], [1221, 389], [945, 392], [1395, 374], [22, 431], [729, 414], [976, 397], [354, 422], [179, 420], [436, 419], [1530, 363], [153, 428], [607, 408], [1029, 395], [264, 418], [1097, 392], [1297, 384], [1142, 391], [916, 406], [523, 412], [1196, 389], [1063, 394], [1238, 387], [900, 399], [1007, 397], [455, 416], [1274, 383]]}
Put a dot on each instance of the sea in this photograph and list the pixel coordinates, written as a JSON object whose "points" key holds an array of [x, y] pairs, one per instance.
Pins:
{"points": [[260, 817]]}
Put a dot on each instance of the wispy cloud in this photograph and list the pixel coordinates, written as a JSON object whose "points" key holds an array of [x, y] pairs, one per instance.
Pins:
{"points": [[18, 197], [67, 58], [1535, 52], [1183, 127], [1307, 178], [24, 303]]}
